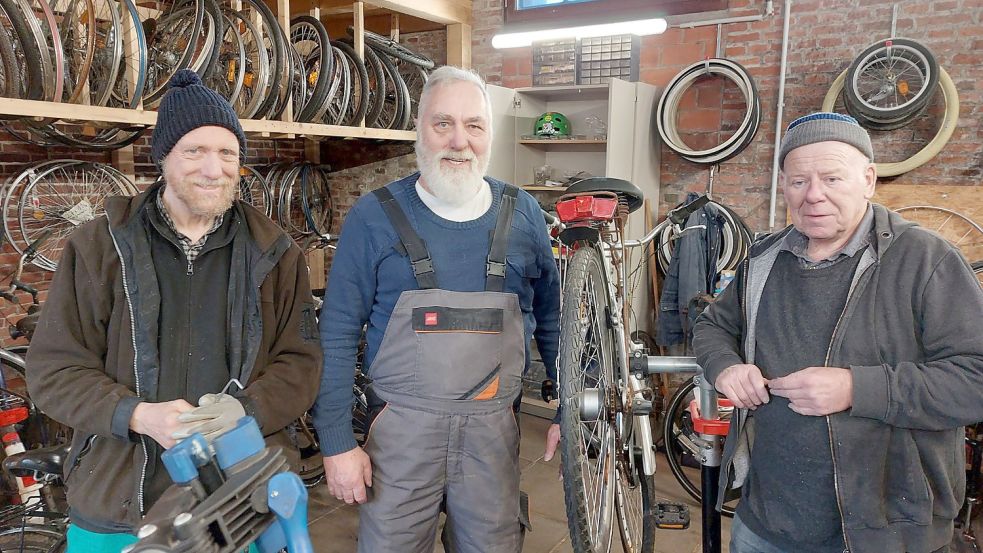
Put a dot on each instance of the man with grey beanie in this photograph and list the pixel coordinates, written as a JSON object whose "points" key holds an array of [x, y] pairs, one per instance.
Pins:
{"points": [[173, 297], [850, 344]]}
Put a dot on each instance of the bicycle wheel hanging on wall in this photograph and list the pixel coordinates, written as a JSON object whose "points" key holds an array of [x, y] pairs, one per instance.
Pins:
{"points": [[934, 146], [667, 111], [890, 83]]}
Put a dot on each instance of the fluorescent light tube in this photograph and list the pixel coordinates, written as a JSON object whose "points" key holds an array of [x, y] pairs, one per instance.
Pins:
{"points": [[640, 27]]}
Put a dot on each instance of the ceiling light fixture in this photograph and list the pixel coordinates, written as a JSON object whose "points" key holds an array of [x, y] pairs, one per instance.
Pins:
{"points": [[640, 27]]}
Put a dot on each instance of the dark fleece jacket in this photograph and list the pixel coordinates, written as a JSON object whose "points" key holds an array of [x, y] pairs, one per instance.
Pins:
{"points": [[95, 352]]}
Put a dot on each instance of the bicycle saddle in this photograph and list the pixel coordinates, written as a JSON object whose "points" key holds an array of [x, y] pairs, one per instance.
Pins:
{"points": [[624, 189], [45, 460]]}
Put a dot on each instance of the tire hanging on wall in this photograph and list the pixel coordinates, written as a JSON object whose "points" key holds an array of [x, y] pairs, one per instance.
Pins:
{"points": [[669, 106]]}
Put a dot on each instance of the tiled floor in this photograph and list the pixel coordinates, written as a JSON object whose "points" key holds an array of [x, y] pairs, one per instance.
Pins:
{"points": [[334, 525]]}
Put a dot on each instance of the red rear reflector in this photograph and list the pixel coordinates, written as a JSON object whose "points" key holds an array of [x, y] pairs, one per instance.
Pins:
{"points": [[586, 208], [430, 318]]}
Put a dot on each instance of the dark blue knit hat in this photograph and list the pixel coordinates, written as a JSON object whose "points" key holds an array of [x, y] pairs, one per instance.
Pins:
{"points": [[187, 105]]}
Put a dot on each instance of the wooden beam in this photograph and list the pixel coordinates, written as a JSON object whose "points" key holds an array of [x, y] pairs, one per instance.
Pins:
{"points": [[459, 45], [441, 11]]}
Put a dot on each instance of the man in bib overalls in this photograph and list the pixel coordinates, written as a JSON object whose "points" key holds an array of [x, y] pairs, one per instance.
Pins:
{"points": [[452, 274]]}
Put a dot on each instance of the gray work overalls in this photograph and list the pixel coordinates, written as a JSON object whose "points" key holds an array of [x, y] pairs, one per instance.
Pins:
{"points": [[449, 367]]}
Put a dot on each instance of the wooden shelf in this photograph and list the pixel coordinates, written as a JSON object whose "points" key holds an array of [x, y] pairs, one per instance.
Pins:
{"points": [[534, 188], [90, 114], [562, 141], [567, 92]]}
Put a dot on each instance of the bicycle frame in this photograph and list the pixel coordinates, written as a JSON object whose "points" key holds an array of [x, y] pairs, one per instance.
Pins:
{"points": [[614, 250]]}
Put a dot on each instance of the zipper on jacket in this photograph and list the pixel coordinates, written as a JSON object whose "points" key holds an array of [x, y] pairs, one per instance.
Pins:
{"points": [[829, 428], [191, 266], [136, 373]]}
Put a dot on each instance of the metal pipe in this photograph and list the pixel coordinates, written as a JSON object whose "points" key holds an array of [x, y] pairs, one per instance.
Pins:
{"points": [[721, 21], [778, 117]]}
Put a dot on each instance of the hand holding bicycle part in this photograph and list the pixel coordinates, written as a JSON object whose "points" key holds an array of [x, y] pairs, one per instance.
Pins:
{"points": [[816, 391], [227, 495], [743, 385]]}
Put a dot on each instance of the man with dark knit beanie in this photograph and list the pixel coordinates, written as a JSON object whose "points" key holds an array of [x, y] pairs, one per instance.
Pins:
{"points": [[158, 310], [850, 343]]}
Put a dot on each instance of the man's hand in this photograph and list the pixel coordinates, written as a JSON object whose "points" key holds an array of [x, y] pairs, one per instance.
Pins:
{"points": [[215, 414], [552, 441], [159, 420], [347, 475], [816, 391], [743, 385]]}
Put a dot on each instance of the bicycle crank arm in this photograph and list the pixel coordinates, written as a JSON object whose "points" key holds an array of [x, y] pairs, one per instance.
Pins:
{"points": [[642, 365]]}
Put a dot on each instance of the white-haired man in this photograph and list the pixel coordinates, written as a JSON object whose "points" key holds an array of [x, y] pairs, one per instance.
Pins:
{"points": [[452, 274]]}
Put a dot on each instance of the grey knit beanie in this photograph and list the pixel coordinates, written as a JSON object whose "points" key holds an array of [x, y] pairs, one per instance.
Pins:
{"points": [[187, 105], [822, 127]]}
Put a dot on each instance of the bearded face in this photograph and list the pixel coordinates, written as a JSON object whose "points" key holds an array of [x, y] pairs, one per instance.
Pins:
{"points": [[454, 140]]}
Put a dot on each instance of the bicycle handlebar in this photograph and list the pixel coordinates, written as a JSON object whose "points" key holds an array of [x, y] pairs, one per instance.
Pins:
{"points": [[676, 217]]}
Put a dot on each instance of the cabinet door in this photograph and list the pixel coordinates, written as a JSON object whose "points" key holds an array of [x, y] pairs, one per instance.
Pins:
{"points": [[502, 163], [621, 129]]}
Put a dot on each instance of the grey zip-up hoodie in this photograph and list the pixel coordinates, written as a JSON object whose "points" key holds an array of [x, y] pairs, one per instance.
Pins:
{"points": [[911, 332]]}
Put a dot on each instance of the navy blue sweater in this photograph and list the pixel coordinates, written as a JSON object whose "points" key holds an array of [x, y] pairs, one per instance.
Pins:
{"points": [[369, 273]]}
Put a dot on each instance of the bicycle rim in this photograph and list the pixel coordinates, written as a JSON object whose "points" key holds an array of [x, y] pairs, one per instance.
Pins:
{"points": [[32, 539], [634, 497], [588, 445]]}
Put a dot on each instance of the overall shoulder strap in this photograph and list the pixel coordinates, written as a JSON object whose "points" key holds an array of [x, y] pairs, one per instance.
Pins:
{"points": [[495, 269], [412, 243]]}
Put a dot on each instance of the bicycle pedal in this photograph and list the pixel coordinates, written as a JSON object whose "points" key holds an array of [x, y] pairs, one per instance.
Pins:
{"points": [[671, 516]]}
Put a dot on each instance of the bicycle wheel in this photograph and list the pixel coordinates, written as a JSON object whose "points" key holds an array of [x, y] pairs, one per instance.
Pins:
{"points": [[10, 82], [376, 85], [108, 38], [681, 452], [77, 30], [395, 112], [634, 496], [256, 66], [586, 374], [311, 467], [959, 230], [32, 539], [27, 51], [892, 80], [172, 40], [310, 40], [415, 78]]}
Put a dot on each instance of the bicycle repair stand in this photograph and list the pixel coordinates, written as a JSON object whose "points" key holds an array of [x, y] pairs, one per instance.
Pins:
{"points": [[226, 496], [710, 432]]}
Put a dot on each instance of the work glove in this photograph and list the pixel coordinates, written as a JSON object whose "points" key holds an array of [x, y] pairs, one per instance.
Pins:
{"points": [[215, 414]]}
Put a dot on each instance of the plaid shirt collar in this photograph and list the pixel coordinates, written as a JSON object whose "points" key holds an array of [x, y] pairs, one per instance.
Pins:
{"points": [[191, 249]]}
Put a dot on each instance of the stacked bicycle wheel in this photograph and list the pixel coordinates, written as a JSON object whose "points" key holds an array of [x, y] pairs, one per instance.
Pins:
{"points": [[890, 83], [735, 240], [295, 195]]}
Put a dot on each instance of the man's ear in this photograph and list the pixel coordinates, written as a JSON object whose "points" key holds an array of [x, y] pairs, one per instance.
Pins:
{"points": [[870, 180]]}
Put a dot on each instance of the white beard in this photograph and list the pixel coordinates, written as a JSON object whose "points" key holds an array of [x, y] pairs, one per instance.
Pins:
{"points": [[455, 186]]}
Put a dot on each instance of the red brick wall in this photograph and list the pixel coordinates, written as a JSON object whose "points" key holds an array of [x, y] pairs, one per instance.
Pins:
{"points": [[824, 37]]}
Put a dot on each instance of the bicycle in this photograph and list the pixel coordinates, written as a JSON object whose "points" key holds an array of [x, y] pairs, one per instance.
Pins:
{"points": [[608, 454]]}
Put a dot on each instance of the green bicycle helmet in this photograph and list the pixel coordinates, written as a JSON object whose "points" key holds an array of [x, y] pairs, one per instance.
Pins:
{"points": [[552, 124]]}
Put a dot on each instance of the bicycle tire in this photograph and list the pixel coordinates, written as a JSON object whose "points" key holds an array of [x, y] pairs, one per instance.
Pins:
{"points": [[415, 78], [229, 70], [80, 48], [48, 71], [10, 81], [912, 53], [212, 48], [33, 539], [376, 86], [359, 102], [276, 51], [588, 448], [29, 61], [159, 68], [394, 49], [949, 121], [126, 93], [108, 59], [634, 500], [313, 105], [677, 423], [396, 110]]}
